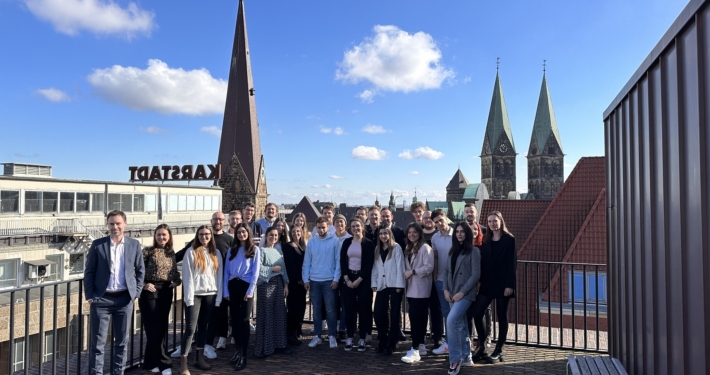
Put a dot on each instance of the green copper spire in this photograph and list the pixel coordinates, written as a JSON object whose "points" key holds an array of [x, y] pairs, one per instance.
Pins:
{"points": [[545, 124], [498, 123]]}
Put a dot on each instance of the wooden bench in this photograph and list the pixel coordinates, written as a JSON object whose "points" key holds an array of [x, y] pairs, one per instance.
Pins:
{"points": [[588, 365]]}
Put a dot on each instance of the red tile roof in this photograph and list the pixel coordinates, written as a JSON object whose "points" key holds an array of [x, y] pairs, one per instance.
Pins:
{"points": [[520, 215]]}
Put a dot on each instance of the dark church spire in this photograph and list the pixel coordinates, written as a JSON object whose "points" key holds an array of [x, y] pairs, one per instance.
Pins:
{"points": [[240, 146]]}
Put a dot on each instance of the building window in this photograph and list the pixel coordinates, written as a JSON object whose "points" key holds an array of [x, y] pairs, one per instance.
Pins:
{"points": [[8, 273], [50, 201], [97, 202], [173, 203], [76, 264], [126, 202], [54, 270], [199, 203], [150, 203], [191, 203], [19, 360], [182, 202], [9, 201], [82, 202], [33, 201], [596, 289], [66, 202], [215, 203], [138, 203], [49, 351], [114, 202]]}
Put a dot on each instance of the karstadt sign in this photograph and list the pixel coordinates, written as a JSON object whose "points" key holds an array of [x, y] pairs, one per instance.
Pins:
{"points": [[176, 172]]}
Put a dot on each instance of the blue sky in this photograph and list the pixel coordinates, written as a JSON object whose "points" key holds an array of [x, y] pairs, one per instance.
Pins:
{"points": [[93, 86]]}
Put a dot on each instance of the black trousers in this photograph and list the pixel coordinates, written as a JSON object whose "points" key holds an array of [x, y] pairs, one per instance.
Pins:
{"points": [[388, 313], [196, 318], [296, 306], [241, 311], [358, 305], [436, 317], [218, 324], [487, 320], [482, 303], [155, 312], [418, 311]]}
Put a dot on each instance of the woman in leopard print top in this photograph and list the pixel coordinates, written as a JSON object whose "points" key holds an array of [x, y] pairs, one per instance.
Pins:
{"points": [[155, 302]]}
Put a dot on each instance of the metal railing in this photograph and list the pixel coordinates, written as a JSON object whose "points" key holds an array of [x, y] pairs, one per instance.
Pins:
{"points": [[49, 226], [545, 313]]}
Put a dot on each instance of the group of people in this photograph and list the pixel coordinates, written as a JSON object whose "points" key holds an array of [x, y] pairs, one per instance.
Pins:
{"points": [[449, 275]]}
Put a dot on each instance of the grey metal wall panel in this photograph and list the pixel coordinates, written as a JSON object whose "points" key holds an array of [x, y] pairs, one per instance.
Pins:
{"points": [[658, 181]]}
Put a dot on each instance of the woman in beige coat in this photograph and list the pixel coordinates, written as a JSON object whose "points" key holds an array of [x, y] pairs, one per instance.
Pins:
{"points": [[418, 268]]}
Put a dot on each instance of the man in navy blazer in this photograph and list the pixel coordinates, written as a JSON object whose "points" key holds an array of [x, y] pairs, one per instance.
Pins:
{"points": [[113, 278]]}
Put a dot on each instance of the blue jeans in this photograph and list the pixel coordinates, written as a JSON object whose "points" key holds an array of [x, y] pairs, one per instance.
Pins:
{"points": [[457, 331], [445, 308], [320, 291]]}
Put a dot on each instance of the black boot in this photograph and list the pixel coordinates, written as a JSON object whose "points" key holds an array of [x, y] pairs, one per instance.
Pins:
{"points": [[236, 357], [480, 354], [497, 355], [242, 364], [293, 338]]}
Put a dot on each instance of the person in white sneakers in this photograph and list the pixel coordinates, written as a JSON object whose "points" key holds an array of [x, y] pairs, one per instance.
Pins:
{"points": [[418, 268], [441, 244], [387, 280], [321, 273]]}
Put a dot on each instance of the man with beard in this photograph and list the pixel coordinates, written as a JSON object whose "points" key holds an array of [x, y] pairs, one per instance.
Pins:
{"points": [[235, 218], [270, 214], [373, 215], [248, 217], [397, 232]]}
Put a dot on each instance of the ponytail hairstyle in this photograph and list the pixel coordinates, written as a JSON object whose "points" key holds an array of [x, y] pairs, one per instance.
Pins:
{"points": [[211, 247], [248, 244]]}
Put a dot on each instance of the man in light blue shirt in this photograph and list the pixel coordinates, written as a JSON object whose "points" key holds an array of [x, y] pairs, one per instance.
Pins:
{"points": [[321, 273], [271, 212]]}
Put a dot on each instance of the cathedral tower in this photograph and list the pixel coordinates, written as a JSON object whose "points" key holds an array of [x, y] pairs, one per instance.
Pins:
{"points": [[243, 178], [498, 154], [545, 157]]}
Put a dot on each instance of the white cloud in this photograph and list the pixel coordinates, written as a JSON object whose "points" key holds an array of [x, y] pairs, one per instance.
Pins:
{"points": [[337, 130], [315, 186], [157, 130], [368, 153], [103, 17], [161, 88], [421, 153], [367, 96], [312, 117], [328, 186], [394, 60], [336, 177], [212, 130], [54, 95], [21, 155], [467, 79], [415, 172], [374, 129]]}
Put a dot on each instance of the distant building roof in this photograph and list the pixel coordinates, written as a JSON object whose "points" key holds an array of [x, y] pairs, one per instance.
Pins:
{"points": [[458, 211], [433, 205], [402, 218], [475, 191], [520, 216], [306, 207], [513, 195], [458, 181]]}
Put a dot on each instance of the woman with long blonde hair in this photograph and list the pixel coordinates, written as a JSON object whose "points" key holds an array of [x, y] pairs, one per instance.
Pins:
{"points": [[202, 291], [299, 220]]}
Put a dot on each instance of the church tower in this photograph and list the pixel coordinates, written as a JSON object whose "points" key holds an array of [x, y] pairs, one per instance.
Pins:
{"points": [[498, 154], [545, 157], [243, 178], [456, 187]]}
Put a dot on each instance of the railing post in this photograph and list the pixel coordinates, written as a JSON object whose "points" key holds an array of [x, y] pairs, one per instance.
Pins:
{"points": [[40, 334], [11, 361], [55, 352]]}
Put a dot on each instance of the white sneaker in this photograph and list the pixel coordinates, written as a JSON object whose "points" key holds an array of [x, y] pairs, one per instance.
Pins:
{"points": [[176, 353], [467, 363], [412, 356], [155, 370], [422, 349], [368, 339], [252, 329], [333, 342], [315, 342], [443, 349], [209, 352], [222, 343], [167, 371]]}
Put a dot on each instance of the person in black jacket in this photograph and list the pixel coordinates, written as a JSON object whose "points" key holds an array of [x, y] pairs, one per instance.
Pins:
{"points": [[296, 299], [498, 267], [397, 232], [357, 256]]}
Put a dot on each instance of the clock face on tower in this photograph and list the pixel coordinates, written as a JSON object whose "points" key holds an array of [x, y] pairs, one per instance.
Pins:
{"points": [[503, 147]]}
